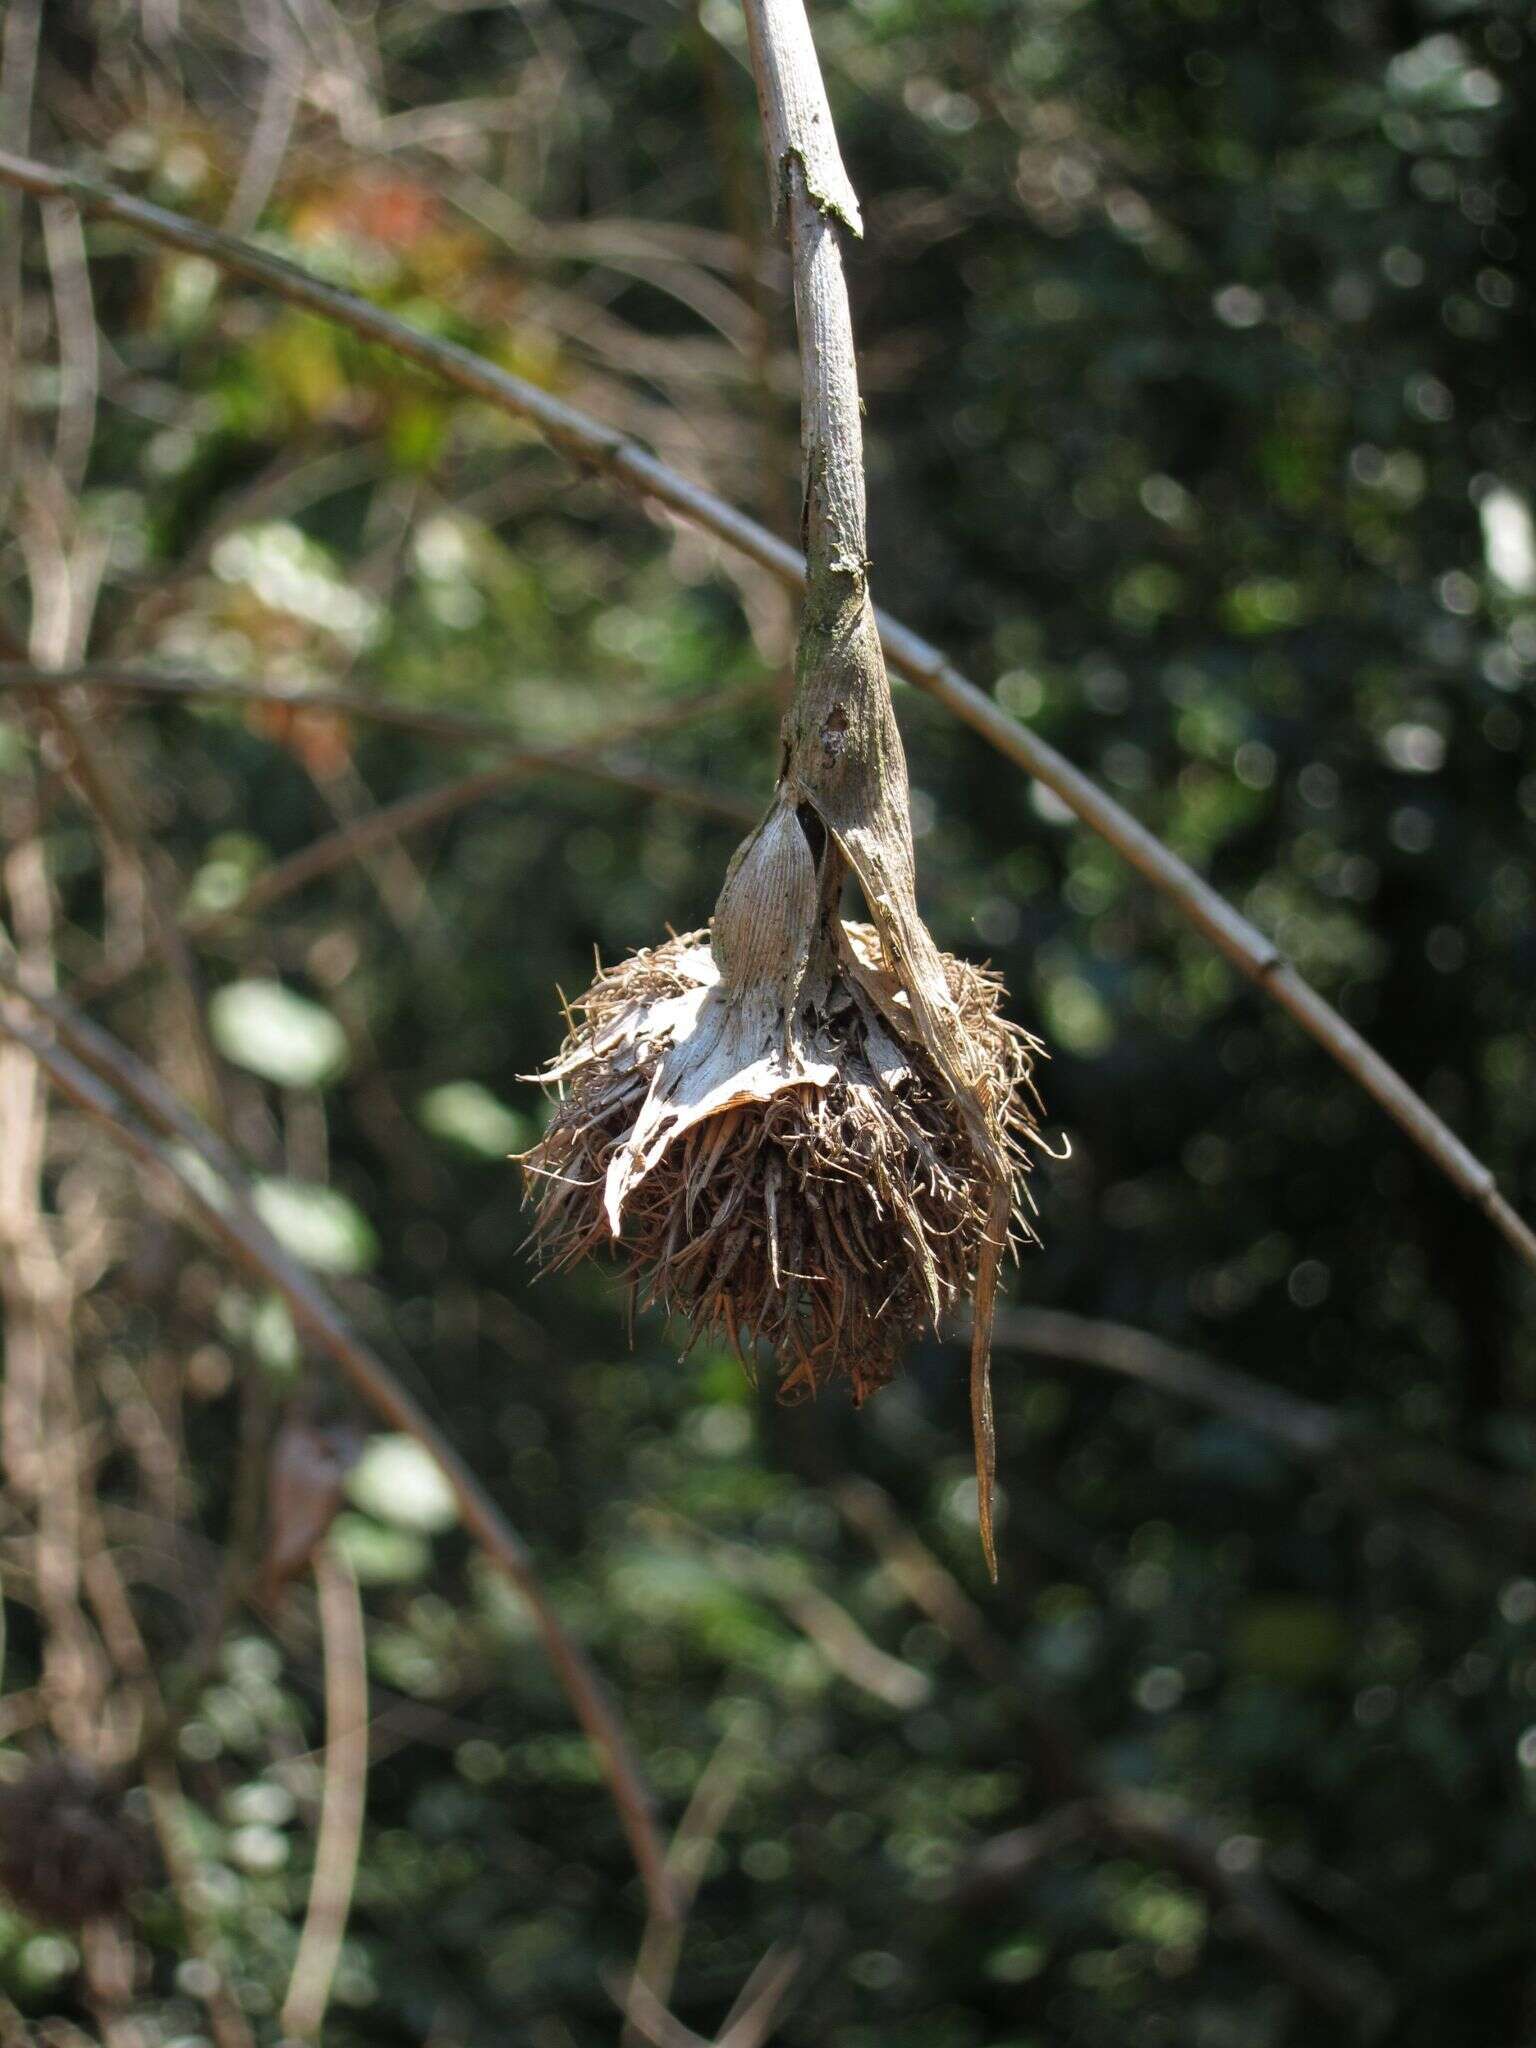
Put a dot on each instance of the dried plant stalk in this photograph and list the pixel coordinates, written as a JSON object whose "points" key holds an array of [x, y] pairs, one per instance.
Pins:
{"points": [[805, 1132]]}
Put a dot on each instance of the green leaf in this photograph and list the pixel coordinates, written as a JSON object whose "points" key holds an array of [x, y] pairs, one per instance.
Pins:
{"points": [[398, 1482], [270, 1031], [317, 1224], [274, 1339], [464, 1113], [380, 1556]]}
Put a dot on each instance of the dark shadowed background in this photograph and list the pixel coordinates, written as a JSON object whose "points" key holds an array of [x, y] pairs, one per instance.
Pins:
{"points": [[1198, 356]]}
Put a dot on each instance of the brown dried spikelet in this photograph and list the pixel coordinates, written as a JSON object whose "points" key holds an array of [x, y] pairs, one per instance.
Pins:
{"points": [[828, 1217], [69, 1851]]}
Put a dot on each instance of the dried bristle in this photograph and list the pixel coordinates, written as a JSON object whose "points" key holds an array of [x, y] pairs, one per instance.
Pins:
{"points": [[68, 1851], [829, 1223]]}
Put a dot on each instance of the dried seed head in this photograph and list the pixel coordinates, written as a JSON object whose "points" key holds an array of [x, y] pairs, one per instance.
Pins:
{"points": [[68, 1851], [827, 1198], [806, 1132]]}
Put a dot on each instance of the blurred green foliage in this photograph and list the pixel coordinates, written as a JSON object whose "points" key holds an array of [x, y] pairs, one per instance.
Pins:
{"points": [[1198, 358]]}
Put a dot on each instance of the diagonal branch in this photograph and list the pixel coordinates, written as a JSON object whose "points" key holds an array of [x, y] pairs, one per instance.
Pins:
{"points": [[593, 446], [1305, 1428], [96, 1072], [127, 680], [1369, 1457], [413, 813], [588, 758]]}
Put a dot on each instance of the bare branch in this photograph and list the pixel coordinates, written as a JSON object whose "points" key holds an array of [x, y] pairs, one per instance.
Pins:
{"points": [[168, 1810], [708, 1808], [412, 813], [79, 342], [390, 822], [755, 2014], [797, 122], [125, 680], [1304, 1427], [281, 93], [65, 563], [1229, 1871], [44, 1459], [842, 1644], [1368, 1458], [591, 445], [18, 75], [931, 1588]]}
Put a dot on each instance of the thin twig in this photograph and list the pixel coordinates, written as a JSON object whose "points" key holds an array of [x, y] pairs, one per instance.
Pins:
{"points": [[924, 1580], [224, 1209], [755, 2014], [44, 1459], [828, 1627], [1164, 1832], [342, 1797], [1370, 1458], [1305, 1428], [708, 1808], [281, 92], [653, 2021], [413, 813], [79, 342], [167, 1807], [390, 822], [124, 679], [65, 564], [18, 75]]}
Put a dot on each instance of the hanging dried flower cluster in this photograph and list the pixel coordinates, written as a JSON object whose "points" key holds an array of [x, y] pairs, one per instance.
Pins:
{"points": [[801, 1131], [805, 1133], [822, 1200]]}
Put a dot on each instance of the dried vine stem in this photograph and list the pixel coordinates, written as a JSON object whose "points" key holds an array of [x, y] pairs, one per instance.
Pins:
{"points": [[843, 755], [591, 445], [342, 1800]]}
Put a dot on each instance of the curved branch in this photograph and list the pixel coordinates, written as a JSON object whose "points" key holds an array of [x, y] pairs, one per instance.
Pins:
{"points": [[343, 1796], [96, 1073], [592, 445], [1305, 1428]]}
